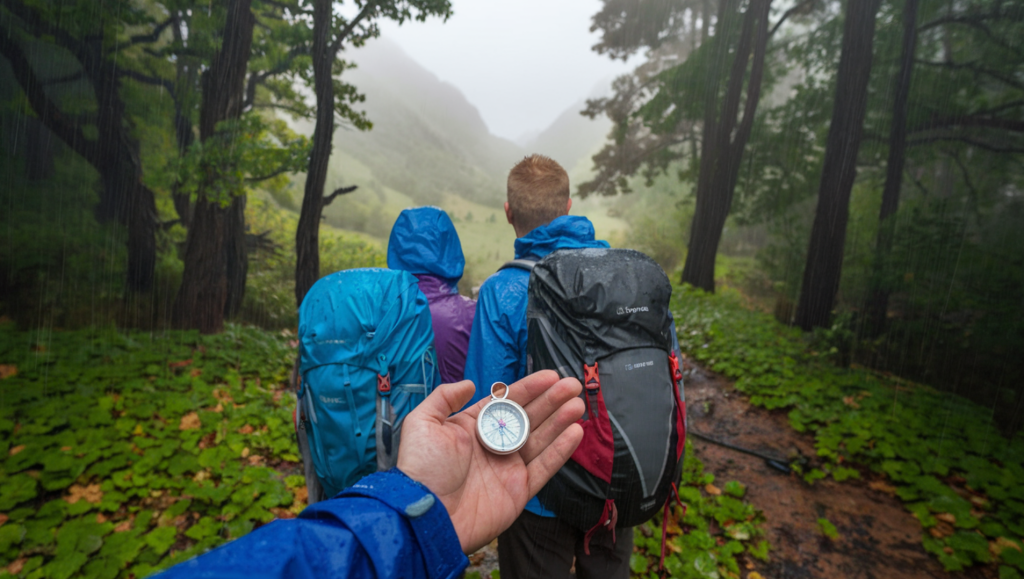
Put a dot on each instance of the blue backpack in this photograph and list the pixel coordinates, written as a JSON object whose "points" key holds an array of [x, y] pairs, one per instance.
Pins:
{"points": [[366, 350]]}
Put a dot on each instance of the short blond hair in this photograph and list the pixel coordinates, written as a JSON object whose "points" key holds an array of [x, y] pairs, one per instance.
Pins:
{"points": [[538, 192]]}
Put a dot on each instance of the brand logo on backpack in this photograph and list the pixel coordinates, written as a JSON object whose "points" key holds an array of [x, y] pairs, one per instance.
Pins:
{"points": [[639, 365], [327, 400], [628, 310]]}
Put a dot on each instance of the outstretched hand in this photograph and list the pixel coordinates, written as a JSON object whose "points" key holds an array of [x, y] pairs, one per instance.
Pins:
{"points": [[484, 492]]}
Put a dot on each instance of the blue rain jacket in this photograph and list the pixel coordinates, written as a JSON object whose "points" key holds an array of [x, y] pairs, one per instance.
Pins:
{"points": [[384, 526], [424, 242], [497, 346]]}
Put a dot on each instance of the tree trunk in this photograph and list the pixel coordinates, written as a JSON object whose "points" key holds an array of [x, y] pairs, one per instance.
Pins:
{"points": [[307, 235], [203, 297], [237, 256], [828, 234], [723, 141], [186, 74], [878, 304], [114, 153]]}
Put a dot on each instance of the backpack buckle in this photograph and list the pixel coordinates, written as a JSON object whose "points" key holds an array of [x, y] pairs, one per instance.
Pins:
{"points": [[384, 383], [590, 377]]}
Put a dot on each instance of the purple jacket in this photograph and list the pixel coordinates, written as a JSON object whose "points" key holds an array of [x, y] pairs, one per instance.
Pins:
{"points": [[424, 243]]}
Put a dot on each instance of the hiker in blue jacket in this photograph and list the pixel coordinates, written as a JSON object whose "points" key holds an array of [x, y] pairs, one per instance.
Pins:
{"points": [[448, 497], [537, 545]]}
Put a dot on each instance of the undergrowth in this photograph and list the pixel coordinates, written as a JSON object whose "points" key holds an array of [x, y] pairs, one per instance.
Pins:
{"points": [[121, 454], [125, 453], [940, 453]]}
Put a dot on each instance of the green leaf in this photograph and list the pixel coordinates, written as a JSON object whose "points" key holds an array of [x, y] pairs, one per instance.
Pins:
{"points": [[826, 528], [735, 488], [16, 489], [160, 539]]}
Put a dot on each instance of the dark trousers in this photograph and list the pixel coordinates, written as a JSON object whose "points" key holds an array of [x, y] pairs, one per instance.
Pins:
{"points": [[536, 547]]}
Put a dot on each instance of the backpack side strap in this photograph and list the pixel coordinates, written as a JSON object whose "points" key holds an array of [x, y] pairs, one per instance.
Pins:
{"points": [[524, 264]]}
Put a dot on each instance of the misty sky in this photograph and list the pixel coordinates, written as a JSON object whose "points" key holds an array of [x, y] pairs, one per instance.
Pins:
{"points": [[520, 62]]}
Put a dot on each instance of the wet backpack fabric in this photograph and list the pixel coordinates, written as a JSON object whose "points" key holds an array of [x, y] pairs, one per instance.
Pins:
{"points": [[602, 316], [367, 358]]}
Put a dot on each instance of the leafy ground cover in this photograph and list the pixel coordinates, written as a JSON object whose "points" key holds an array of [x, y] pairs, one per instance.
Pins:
{"points": [[124, 453], [121, 454], [938, 452]]}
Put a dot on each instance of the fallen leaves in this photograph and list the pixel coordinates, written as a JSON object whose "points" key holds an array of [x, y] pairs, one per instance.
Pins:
{"points": [[282, 513], [8, 371], [1001, 544], [16, 449], [712, 489], [90, 494], [754, 575], [882, 486], [16, 566], [125, 525], [180, 364], [849, 401], [190, 422], [301, 494], [3, 519], [247, 429]]}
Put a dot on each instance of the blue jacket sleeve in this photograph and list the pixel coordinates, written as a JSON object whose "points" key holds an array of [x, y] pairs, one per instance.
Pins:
{"points": [[497, 344], [384, 526]]}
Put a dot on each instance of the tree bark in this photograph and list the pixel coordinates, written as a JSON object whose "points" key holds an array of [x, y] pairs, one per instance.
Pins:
{"points": [[828, 234], [185, 79], [203, 297], [723, 140], [878, 303], [307, 235], [114, 153]]}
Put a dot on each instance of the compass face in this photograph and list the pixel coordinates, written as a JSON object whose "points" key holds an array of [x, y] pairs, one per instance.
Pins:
{"points": [[503, 427]]}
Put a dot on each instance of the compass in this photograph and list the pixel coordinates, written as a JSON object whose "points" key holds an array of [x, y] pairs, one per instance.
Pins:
{"points": [[503, 425]]}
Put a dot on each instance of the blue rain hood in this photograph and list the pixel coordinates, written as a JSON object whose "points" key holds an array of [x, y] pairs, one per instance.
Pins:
{"points": [[565, 232], [424, 241]]}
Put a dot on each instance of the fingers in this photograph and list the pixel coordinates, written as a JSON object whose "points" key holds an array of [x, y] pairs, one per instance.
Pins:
{"points": [[546, 464], [545, 433], [526, 390], [444, 400], [550, 400]]}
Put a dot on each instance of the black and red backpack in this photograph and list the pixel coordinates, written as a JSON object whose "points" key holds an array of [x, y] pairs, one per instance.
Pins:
{"points": [[602, 316]]}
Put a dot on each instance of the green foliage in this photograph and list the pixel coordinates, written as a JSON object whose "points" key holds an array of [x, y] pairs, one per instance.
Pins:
{"points": [[941, 452], [711, 539], [249, 149], [270, 288], [826, 528], [127, 452]]}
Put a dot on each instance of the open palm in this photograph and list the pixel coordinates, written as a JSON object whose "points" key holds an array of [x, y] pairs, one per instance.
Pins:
{"points": [[484, 492]]}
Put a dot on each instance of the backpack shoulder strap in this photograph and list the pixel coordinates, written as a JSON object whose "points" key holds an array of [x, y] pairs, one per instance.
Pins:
{"points": [[525, 264]]}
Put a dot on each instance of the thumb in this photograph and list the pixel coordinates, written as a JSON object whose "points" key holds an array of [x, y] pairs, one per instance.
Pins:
{"points": [[446, 400]]}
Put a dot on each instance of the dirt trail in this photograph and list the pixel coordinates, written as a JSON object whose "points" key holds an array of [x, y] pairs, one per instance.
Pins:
{"points": [[878, 537]]}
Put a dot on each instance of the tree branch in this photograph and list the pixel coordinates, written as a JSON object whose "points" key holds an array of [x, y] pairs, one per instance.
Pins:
{"points": [[66, 78], [1013, 125], [259, 78], [336, 45], [152, 36], [976, 69], [147, 79], [40, 27], [283, 169], [45, 109], [788, 13], [328, 199], [967, 140]]}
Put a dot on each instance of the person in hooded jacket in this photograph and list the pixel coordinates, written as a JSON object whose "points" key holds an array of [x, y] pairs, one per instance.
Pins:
{"points": [[424, 243], [537, 545]]}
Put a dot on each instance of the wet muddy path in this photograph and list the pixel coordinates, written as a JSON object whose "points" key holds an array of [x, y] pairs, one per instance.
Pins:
{"points": [[878, 538]]}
